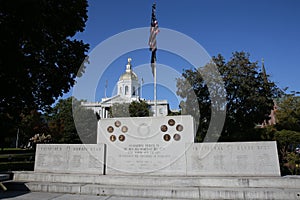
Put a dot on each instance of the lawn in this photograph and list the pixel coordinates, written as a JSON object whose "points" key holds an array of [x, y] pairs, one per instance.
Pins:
{"points": [[16, 159]]}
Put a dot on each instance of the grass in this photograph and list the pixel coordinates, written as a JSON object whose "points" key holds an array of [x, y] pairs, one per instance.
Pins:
{"points": [[17, 166], [16, 159], [11, 149], [23, 155]]}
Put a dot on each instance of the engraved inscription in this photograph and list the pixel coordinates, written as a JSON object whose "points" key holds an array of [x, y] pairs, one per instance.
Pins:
{"points": [[69, 158]]}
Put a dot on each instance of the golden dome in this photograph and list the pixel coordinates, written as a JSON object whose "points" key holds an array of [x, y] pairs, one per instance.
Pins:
{"points": [[128, 76]]}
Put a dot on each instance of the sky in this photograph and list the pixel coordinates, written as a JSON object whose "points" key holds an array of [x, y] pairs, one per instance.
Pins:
{"points": [[267, 29]]}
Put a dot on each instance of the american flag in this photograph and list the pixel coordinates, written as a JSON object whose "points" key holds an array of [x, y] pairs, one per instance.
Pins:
{"points": [[152, 39]]}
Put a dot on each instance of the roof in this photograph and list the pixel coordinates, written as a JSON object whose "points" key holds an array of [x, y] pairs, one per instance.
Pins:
{"points": [[129, 75]]}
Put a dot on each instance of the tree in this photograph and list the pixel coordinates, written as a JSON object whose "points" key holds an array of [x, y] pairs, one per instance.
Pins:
{"points": [[287, 133], [288, 113], [287, 142], [133, 109], [248, 95], [72, 126], [85, 122], [119, 110], [193, 89], [31, 124], [139, 109], [40, 60], [61, 123]]}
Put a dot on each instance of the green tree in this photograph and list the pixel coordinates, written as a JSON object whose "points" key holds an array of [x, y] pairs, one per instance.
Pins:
{"points": [[30, 125], [249, 97], [288, 113], [287, 141], [67, 125], [85, 122], [119, 110], [139, 109], [40, 59], [287, 133], [133, 109]]}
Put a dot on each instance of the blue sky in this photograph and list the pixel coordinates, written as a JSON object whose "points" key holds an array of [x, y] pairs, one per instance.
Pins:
{"points": [[268, 29]]}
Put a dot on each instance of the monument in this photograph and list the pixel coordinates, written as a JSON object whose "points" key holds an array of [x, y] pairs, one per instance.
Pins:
{"points": [[165, 145], [156, 157], [160, 145], [151, 145]]}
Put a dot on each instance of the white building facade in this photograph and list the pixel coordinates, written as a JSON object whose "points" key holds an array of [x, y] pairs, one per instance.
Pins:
{"points": [[128, 90]]}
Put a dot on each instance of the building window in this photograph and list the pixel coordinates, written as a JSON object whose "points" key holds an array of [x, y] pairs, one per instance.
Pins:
{"points": [[126, 90], [133, 91], [161, 111]]}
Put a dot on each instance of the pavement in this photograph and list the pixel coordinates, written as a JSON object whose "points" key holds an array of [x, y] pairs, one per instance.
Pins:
{"points": [[22, 195]]}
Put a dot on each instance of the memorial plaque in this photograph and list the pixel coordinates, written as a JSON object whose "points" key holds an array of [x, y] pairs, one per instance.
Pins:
{"points": [[233, 159], [152, 145], [70, 158]]}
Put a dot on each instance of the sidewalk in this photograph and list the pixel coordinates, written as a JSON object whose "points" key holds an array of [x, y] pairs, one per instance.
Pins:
{"points": [[21, 195]]}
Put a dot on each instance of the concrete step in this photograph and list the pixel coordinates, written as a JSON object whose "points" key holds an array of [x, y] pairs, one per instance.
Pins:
{"points": [[162, 187], [171, 192], [162, 181]]}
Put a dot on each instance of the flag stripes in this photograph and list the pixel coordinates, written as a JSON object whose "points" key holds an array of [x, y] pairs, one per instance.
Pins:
{"points": [[152, 39]]}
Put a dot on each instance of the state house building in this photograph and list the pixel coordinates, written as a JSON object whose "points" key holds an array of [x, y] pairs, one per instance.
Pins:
{"points": [[128, 90]]}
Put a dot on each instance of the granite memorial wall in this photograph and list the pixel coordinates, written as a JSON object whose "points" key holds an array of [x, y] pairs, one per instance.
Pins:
{"points": [[157, 146]]}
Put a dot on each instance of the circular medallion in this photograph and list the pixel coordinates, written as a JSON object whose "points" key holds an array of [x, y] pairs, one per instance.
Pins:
{"points": [[117, 123], [167, 137], [110, 129], [163, 128], [112, 138], [124, 129], [176, 137], [121, 138], [171, 122], [179, 127]]}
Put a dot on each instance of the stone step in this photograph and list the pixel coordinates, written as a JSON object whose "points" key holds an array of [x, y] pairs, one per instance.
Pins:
{"points": [[170, 192], [180, 181]]}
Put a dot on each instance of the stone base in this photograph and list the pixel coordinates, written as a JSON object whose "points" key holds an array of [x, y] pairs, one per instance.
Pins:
{"points": [[233, 159], [178, 159], [163, 187], [70, 158]]}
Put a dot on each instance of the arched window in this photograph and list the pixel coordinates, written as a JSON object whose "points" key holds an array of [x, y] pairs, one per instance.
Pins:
{"points": [[126, 90], [133, 90]]}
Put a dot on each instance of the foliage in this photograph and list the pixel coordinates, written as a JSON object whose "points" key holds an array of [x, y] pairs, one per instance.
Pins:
{"points": [[133, 109], [86, 123], [119, 110], [287, 141], [293, 162], [287, 133], [66, 129], [31, 124], [192, 88], [139, 109], [40, 60], [267, 133], [288, 113], [248, 96]]}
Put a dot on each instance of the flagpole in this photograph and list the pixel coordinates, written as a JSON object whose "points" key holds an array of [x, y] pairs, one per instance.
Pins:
{"points": [[105, 88], [152, 43], [141, 90], [155, 99]]}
